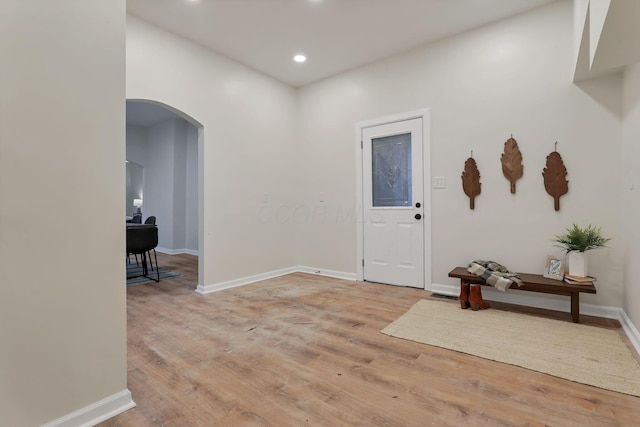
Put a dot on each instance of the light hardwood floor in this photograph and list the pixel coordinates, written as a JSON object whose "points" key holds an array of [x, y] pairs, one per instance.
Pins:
{"points": [[304, 350]]}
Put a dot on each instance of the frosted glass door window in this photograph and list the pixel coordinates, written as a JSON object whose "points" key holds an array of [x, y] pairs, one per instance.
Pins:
{"points": [[391, 170]]}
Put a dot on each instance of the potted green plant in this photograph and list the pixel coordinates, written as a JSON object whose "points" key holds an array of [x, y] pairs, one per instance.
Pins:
{"points": [[575, 242]]}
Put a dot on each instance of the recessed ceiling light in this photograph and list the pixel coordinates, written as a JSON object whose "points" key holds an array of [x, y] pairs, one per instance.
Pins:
{"points": [[299, 58]]}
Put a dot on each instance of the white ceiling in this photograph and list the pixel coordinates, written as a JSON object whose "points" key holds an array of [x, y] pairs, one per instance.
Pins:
{"points": [[336, 35]]}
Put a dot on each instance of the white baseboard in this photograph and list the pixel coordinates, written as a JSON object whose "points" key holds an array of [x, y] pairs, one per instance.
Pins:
{"points": [[630, 330], [207, 289], [550, 302], [444, 289], [327, 273], [96, 412], [168, 251], [177, 251]]}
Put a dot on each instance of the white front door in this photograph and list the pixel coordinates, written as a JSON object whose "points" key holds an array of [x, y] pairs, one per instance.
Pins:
{"points": [[393, 203]]}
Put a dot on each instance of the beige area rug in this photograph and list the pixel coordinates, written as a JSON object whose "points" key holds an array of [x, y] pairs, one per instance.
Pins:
{"points": [[581, 353]]}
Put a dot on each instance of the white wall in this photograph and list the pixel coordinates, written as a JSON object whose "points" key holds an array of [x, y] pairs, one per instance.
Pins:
{"points": [[631, 182], [62, 130], [62, 114], [513, 77], [248, 147], [137, 146], [172, 191], [169, 152], [179, 184], [159, 180], [191, 195]]}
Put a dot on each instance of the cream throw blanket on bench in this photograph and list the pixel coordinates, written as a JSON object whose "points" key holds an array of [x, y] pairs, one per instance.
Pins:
{"points": [[494, 274]]}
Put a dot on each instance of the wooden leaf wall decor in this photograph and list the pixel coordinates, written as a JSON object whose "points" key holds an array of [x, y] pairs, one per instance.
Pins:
{"points": [[471, 180], [555, 178], [512, 163]]}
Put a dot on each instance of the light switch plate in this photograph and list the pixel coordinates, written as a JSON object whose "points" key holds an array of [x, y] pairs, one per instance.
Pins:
{"points": [[439, 182]]}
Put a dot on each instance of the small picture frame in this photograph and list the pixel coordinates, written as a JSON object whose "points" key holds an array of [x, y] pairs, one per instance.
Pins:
{"points": [[554, 268]]}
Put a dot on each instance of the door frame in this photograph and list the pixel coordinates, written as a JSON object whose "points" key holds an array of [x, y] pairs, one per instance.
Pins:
{"points": [[426, 172]]}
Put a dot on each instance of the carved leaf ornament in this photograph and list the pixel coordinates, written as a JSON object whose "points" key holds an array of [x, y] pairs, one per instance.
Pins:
{"points": [[471, 180], [512, 163], [555, 178]]}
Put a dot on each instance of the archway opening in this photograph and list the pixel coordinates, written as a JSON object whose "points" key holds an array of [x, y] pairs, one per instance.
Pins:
{"points": [[164, 146]]}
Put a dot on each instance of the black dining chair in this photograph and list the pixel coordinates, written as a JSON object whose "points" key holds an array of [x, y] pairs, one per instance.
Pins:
{"points": [[141, 239], [150, 220]]}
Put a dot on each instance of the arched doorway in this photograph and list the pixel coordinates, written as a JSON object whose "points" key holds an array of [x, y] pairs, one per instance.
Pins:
{"points": [[167, 144]]}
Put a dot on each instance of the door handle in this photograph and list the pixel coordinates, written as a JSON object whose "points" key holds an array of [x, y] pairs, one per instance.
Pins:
{"points": [[418, 216]]}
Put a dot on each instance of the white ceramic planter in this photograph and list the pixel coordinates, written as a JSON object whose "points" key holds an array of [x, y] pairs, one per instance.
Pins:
{"points": [[577, 263]]}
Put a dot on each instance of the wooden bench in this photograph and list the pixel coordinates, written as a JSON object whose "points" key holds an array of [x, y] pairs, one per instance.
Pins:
{"points": [[535, 283]]}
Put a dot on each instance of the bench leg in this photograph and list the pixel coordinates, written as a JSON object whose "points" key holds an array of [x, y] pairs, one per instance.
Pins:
{"points": [[575, 307]]}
